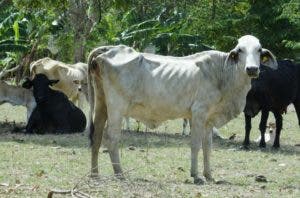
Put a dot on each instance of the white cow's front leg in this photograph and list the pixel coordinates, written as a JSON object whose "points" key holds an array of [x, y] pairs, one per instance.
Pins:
{"points": [[206, 146], [112, 137], [196, 130]]}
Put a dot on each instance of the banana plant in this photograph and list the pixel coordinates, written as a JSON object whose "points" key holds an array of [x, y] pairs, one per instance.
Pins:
{"points": [[166, 32], [18, 38]]}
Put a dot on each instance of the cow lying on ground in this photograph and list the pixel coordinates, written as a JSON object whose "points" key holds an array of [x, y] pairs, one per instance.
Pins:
{"points": [[54, 113], [209, 88], [272, 91], [17, 96], [72, 77]]}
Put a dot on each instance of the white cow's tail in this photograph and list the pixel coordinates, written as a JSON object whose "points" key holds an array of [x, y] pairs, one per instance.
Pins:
{"points": [[92, 64]]}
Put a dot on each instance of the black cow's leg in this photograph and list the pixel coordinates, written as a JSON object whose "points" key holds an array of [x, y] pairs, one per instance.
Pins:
{"points": [[33, 120], [262, 127], [278, 118], [247, 131], [29, 126]]}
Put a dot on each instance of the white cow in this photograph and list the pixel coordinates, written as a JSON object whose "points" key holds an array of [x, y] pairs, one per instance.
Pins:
{"points": [[72, 77], [17, 96], [209, 88]]}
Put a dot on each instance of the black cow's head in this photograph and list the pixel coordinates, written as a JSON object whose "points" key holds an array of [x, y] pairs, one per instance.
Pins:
{"points": [[40, 84]]}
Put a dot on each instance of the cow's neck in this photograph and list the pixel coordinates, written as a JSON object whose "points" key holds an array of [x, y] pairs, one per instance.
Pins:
{"points": [[232, 78], [233, 86]]}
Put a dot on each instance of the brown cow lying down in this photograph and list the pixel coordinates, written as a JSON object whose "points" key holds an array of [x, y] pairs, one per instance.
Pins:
{"points": [[72, 77]]}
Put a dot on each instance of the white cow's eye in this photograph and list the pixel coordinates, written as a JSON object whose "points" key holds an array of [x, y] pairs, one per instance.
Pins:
{"points": [[240, 50], [259, 50]]}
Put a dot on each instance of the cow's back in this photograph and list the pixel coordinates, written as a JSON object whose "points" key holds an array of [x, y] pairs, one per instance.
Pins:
{"points": [[150, 83]]}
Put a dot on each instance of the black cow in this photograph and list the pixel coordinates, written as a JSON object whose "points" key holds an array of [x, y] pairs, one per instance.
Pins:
{"points": [[54, 112], [272, 91]]}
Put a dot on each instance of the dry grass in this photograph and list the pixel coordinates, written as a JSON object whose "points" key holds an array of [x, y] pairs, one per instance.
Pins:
{"points": [[156, 164]]}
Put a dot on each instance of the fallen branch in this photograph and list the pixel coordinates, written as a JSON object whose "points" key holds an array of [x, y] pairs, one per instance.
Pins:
{"points": [[83, 184], [57, 191], [7, 71]]}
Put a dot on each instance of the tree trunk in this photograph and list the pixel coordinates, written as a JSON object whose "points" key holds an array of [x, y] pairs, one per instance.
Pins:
{"points": [[83, 17], [79, 50], [213, 10]]}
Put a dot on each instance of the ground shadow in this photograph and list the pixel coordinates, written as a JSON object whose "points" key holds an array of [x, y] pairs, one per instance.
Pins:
{"points": [[11, 131], [175, 140]]}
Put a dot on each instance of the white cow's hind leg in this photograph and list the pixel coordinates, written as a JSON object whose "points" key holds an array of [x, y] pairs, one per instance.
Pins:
{"points": [[96, 134], [112, 137]]}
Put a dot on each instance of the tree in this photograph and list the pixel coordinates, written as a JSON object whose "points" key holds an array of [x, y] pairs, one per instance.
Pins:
{"points": [[83, 16], [76, 17]]}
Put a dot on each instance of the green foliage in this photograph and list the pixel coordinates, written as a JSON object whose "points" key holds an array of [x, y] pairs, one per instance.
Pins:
{"points": [[172, 27], [21, 28], [11, 36], [16, 30], [11, 47], [164, 29]]}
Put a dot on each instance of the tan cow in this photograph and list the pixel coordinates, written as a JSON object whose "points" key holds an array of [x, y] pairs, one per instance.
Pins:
{"points": [[209, 88], [72, 77], [17, 96]]}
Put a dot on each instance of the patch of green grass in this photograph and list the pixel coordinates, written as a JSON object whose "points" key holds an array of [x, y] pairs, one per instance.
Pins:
{"points": [[157, 165]]}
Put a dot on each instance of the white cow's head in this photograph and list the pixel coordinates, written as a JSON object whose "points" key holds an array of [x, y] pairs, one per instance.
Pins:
{"points": [[249, 54]]}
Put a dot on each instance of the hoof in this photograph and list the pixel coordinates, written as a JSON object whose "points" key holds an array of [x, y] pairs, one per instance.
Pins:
{"points": [[244, 147], [94, 175], [198, 181], [120, 176], [222, 182], [209, 179], [276, 147], [262, 145]]}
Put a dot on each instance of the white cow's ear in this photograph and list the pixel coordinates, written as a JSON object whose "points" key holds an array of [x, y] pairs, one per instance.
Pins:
{"points": [[232, 58], [268, 59]]}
